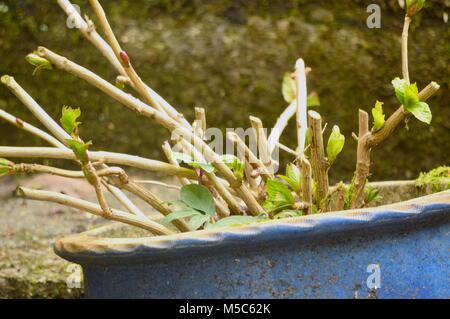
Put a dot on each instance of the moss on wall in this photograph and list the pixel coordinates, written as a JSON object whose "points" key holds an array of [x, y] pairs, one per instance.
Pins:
{"points": [[229, 57]]}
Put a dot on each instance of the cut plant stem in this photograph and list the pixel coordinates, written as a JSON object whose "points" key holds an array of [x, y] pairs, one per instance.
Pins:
{"points": [[95, 209], [302, 100], [367, 140], [106, 157], [161, 118], [200, 118], [261, 138], [319, 163], [35, 108], [305, 168]]}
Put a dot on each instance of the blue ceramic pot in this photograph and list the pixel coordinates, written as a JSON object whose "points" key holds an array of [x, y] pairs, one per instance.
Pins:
{"points": [[395, 251]]}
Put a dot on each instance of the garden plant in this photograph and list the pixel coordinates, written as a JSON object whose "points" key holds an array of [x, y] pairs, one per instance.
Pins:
{"points": [[215, 189]]}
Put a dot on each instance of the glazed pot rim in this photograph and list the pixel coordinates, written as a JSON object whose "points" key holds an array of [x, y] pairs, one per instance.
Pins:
{"points": [[89, 246]]}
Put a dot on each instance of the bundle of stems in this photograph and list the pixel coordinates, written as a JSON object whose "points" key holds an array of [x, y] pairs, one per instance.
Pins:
{"points": [[254, 193]]}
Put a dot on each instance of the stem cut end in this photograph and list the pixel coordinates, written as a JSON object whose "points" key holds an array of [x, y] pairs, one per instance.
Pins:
{"points": [[6, 79]]}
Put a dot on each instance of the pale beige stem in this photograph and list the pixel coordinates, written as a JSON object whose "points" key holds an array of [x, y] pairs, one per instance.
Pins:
{"points": [[302, 101], [155, 202], [405, 66], [30, 128], [156, 183], [159, 117], [95, 209], [89, 32], [199, 126], [105, 157], [35, 108], [250, 157], [261, 139], [50, 124], [44, 169], [171, 159], [122, 198], [123, 57]]}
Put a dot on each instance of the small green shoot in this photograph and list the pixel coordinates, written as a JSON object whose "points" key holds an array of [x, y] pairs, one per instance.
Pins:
{"points": [[69, 119], [5, 167], [378, 117], [80, 149], [371, 194], [233, 163], [38, 62], [335, 144]]}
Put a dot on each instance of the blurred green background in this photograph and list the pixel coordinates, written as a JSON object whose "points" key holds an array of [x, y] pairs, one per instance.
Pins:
{"points": [[230, 57]]}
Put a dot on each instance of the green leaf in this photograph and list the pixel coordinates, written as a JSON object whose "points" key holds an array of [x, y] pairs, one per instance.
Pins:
{"points": [[414, 6], [184, 158], [292, 177], [288, 88], [399, 87], [313, 100], [407, 94], [39, 62], [79, 149], [278, 196], [411, 97], [422, 112], [178, 215], [378, 116], [372, 194], [197, 221], [199, 198], [69, 119], [5, 167], [335, 144], [234, 221], [233, 163]]}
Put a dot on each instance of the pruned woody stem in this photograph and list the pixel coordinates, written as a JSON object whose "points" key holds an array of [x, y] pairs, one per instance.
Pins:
{"points": [[232, 195]]}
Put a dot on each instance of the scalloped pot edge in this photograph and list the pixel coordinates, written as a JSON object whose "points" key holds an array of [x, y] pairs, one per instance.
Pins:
{"points": [[89, 245]]}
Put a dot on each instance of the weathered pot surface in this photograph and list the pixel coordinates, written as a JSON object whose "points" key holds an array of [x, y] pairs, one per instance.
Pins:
{"points": [[393, 251]]}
